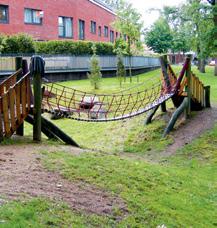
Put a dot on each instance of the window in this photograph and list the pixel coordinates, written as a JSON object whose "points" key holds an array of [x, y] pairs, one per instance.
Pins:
{"points": [[105, 31], [125, 37], [65, 27], [32, 16], [81, 29], [116, 35], [93, 27], [100, 31], [3, 14], [112, 38]]}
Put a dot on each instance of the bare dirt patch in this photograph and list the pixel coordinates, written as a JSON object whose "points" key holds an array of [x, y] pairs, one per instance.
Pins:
{"points": [[193, 128], [22, 175]]}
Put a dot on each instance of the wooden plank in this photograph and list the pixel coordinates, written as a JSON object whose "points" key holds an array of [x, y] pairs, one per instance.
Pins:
{"points": [[23, 98], [6, 116], [202, 95], [12, 109], [18, 102], [1, 126], [28, 93]]}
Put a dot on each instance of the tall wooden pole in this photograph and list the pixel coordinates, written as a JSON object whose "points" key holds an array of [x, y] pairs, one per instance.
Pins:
{"points": [[18, 63], [37, 72], [188, 87]]}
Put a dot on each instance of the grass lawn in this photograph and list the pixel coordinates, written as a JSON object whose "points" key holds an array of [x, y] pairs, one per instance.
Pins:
{"points": [[129, 135], [179, 192]]}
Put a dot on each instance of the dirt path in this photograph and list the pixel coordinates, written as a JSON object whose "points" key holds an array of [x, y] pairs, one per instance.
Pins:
{"points": [[196, 126], [22, 175]]}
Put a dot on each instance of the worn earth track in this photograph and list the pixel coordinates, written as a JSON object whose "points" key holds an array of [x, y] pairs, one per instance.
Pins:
{"points": [[22, 175], [185, 133]]}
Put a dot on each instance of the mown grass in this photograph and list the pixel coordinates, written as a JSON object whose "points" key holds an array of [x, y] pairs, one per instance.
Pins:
{"points": [[129, 135], [181, 193], [42, 213]]}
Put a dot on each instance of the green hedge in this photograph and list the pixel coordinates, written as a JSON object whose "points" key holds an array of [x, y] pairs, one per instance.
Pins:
{"points": [[24, 44], [73, 47], [20, 43]]}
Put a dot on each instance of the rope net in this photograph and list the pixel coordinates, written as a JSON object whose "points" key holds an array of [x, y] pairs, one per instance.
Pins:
{"points": [[84, 106]]}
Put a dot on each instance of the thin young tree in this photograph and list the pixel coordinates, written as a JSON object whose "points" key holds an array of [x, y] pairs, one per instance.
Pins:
{"points": [[95, 73], [128, 23], [121, 72]]}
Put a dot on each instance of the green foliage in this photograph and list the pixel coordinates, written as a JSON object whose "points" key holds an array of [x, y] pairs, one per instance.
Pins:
{"points": [[120, 46], [128, 22], [159, 38], [19, 44], [95, 74], [193, 27], [121, 72], [1, 42], [73, 47]]}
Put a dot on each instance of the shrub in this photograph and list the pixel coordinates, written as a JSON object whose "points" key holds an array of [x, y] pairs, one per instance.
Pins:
{"points": [[95, 74], [73, 47], [20, 43], [1, 42]]}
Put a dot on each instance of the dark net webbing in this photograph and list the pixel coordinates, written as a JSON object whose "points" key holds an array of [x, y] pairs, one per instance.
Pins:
{"points": [[84, 106]]}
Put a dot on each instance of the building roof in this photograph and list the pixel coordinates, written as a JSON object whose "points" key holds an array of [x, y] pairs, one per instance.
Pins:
{"points": [[103, 5]]}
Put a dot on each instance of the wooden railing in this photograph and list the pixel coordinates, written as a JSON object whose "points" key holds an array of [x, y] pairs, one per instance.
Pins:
{"points": [[8, 82], [197, 90], [15, 103]]}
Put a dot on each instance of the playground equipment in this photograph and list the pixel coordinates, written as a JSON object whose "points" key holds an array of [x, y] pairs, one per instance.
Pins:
{"points": [[18, 104]]}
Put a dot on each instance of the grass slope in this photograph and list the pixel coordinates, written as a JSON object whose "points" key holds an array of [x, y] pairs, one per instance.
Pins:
{"points": [[181, 193], [178, 193]]}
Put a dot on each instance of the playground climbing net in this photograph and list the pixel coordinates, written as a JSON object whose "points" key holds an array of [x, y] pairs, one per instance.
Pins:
{"points": [[84, 106]]}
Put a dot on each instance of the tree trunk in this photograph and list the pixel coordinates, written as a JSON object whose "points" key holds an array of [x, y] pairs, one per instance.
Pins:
{"points": [[215, 73], [202, 66], [130, 59], [215, 35]]}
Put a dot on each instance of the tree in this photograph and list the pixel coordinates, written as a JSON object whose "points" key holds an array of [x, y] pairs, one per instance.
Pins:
{"points": [[121, 72], [95, 74], [159, 38], [214, 35], [193, 21], [129, 25]]}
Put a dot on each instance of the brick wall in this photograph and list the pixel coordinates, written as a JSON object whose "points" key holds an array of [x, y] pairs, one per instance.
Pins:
{"points": [[77, 9]]}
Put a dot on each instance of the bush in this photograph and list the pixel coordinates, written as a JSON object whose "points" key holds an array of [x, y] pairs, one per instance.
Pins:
{"points": [[20, 43], [24, 44], [73, 47], [1, 42]]}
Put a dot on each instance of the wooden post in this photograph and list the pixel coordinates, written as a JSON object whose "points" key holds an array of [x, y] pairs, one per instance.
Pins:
{"points": [[207, 97], [164, 67], [175, 116], [188, 87], [150, 115], [37, 72], [18, 61], [163, 107], [1, 121]]}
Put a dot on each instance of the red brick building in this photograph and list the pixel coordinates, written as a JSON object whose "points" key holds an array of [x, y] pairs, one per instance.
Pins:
{"points": [[58, 19]]}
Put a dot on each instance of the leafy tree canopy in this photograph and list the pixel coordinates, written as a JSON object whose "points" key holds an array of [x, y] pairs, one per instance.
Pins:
{"points": [[159, 38]]}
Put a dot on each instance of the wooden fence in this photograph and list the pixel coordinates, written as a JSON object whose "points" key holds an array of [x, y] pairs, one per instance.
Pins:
{"points": [[15, 103], [197, 90]]}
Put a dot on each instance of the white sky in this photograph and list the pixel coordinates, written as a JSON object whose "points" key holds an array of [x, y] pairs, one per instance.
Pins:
{"points": [[143, 7]]}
